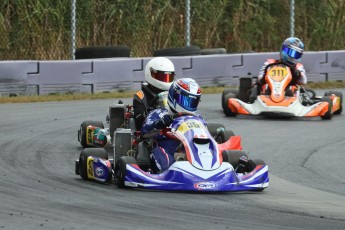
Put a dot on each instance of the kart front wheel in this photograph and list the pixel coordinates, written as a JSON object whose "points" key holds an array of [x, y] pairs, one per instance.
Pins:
{"points": [[233, 157], [95, 152], [219, 133], [82, 131], [338, 94], [227, 111], [226, 92], [120, 169]]}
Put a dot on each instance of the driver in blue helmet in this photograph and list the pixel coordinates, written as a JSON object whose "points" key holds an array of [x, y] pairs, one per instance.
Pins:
{"points": [[183, 97], [290, 55]]}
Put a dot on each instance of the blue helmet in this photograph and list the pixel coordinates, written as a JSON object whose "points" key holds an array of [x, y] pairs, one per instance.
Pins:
{"points": [[292, 51], [184, 95]]}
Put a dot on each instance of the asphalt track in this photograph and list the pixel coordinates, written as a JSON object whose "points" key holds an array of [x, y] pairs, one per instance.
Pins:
{"points": [[39, 190]]}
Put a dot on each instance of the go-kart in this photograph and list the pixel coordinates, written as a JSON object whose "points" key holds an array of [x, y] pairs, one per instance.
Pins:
{"points": [[93, 134], [279, 97], [209, 166]]}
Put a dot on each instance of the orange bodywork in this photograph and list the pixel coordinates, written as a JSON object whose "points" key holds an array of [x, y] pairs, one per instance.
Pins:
{"points": [[319, 110], [284, 102], [336, 102], [236, 107], [234, 143], [278, 74]]}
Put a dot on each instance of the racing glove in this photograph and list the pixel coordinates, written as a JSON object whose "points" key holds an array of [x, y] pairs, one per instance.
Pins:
{"points": [[164, 122], [296, 73]]}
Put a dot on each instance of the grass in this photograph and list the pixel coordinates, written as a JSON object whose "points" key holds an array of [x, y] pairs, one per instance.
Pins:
{"points": [[109, 95]]}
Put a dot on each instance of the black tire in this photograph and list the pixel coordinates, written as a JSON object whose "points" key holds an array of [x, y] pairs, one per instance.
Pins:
{"points": [[120, 169], [82, 131], [226, 92], [213, 51], [96, 152], [311, 93], [183, 51], [227, 111], [213, 126], [223, 135], [233, 156], [329, 114], [102, 52], [338, 94]]}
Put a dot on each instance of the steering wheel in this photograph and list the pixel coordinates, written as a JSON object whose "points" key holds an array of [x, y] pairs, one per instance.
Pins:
{"points": [[167, 131]]}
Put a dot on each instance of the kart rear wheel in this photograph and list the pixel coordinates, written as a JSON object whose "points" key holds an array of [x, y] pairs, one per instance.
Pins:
{"points": [[120, 169], [338, 94], [233, 156], [329, 114], [82, 131], [96, 152], [227, 111]]}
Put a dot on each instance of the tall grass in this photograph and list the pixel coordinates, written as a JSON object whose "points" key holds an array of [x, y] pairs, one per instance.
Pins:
{"points": [[40, 29]]}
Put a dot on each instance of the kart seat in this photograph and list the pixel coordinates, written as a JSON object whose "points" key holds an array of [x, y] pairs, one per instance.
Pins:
{"points": [[143, 156]]}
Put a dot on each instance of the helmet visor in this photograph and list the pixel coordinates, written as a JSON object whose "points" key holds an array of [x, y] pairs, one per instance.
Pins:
{"points": [[163, 76], [292, 53], [187, 101]]}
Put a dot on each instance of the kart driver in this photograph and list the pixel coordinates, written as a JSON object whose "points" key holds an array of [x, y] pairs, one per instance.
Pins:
{"points": [[290, 55], [184, 96], [159, 75]]}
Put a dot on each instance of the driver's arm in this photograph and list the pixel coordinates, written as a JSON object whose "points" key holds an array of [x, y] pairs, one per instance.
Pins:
{"points": [[155, 121]]}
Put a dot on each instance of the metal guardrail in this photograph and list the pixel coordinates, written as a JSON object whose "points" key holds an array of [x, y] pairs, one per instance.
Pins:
{"points": [[97, 75]]}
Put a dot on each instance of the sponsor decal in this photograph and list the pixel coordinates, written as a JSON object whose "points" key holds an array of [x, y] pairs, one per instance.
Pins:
{"points": [[99, 171], [89, 167], [205, 185]]}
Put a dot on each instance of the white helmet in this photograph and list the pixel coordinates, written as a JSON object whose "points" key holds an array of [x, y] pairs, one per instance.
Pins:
{"points": [[160, 73]]}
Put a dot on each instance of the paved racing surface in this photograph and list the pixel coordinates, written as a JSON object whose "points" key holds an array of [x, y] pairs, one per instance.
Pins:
{"points": [[39, 190]]}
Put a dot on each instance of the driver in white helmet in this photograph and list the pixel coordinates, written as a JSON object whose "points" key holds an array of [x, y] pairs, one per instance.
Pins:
{"points": [[159, 75], [184, 96]]}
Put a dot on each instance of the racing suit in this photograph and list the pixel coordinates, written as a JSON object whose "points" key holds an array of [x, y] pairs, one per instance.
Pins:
{"points": [[164, 148], [144, 101], [298, 77]]}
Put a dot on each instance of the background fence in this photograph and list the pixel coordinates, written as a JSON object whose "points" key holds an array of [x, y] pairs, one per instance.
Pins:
{"points": [[114, 74], [41, 29]]}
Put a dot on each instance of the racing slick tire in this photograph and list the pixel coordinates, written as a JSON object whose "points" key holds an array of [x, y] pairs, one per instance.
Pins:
{"points": [[120, 169], [82, 131], [226, 92], [329, 114], [338, 94], [212, 51], [227, 111], [102, 52], [312, 92], [96, 152], [233, 157], [179, 51], [220, 136]]}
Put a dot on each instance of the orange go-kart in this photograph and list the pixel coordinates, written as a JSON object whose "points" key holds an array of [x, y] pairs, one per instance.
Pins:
{"points": [[279, 97]]}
